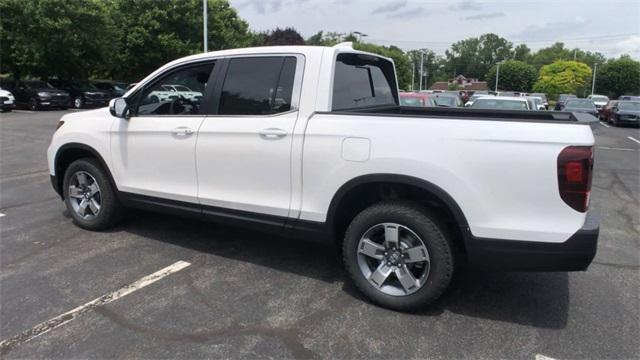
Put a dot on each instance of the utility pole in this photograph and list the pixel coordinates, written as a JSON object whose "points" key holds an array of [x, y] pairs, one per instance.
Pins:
{"points": [[497, 77], [204, 23], [421, 67], [593, 81], [413, 74]]}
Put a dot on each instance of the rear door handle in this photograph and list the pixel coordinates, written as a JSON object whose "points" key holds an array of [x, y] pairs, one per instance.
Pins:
{"points": [[182, 131], [273, 133]]}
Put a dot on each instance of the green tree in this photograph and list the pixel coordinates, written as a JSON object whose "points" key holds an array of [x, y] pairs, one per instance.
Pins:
{"points": [[433, 67], [153, 32], [51, 38], [548, 55], [619, 77], [522, 53], [514, 75], [473, 57], [286, 36], [563, 77]]}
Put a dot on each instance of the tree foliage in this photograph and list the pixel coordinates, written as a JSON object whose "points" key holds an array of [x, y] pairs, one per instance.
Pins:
{"points": [[619, 77], [563, 77], [473, 57], [286, 36], [514, 75], [51, 38]]}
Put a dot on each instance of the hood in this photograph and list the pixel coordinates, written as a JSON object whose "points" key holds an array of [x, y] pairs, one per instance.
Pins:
{"points": [[52, 91], [5, 93], [579, 110]]}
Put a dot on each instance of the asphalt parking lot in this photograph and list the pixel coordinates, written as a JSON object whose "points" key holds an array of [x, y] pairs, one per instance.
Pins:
{"points": [[251, 295]]}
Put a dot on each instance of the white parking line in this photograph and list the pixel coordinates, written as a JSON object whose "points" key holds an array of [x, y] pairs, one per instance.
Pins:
{"points": [[633, 139], [24, 111], [542, 357], [2, 215], [60, 320], [605, 125], [614, 148]]}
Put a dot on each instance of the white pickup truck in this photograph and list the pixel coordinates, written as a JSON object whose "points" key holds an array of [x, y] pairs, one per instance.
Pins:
{"points": [[311, 140]]}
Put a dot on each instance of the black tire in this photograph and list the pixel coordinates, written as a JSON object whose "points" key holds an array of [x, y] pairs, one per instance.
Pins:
{"points": [[33, 104], [111, 210], [424, 224]]}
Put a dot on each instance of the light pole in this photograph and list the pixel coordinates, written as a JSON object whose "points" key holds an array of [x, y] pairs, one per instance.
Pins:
{"points": [[593, 81], [421, 68], [413, 74], [497, 75], [360, 35], [204, 25]]}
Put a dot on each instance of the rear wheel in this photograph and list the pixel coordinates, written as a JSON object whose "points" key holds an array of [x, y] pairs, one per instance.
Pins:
{"points": [[89, 196], [33, 104], [399, 255]]}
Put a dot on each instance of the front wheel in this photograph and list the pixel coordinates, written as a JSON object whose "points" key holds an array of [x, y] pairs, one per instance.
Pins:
{"points": [[399, 255], [89, 196], [78, 103]]}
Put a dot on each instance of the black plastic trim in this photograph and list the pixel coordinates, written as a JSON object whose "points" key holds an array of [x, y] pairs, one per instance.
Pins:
{"points": [[575, 254], [398, 179], [58, 178], [556, 117]]}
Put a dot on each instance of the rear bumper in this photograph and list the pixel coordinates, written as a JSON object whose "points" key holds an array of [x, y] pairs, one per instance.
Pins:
{"points": [[575, 254]]}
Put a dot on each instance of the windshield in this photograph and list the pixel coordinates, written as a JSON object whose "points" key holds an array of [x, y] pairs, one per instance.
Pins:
{"points": [[411, 101], [580, 104], [84, 87], [485, 103], [448, 101], [635, 106], [38, 85]]}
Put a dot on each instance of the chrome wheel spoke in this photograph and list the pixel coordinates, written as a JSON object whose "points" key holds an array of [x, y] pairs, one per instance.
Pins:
{"points": [[406, 278], [94, 189], [82, 207], [75, 192], [381, 274], [371, 249], [391, 235], [416, 254], [82, 179], [94, 206]]}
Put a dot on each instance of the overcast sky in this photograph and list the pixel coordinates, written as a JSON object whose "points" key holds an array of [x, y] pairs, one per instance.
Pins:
{"points": [[610, 27]]}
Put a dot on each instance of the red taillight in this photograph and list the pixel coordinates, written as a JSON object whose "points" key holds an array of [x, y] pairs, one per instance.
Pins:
{"points": [[575, 167]]}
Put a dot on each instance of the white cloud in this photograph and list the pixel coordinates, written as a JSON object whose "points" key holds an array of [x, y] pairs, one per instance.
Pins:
{"points": [[485, 16], [390, 7]]}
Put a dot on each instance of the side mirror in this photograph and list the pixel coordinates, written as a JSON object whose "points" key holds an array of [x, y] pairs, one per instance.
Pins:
{"points": [[119, 108]]}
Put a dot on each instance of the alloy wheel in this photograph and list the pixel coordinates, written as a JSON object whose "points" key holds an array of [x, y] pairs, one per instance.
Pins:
{"points": [[393, 259], [84, 195]]}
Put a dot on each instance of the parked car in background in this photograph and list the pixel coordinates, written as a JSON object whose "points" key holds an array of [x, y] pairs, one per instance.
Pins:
{"points": [[605, 111], [37, 94], [473, 98], [416, 99], [7, 100], [543, 96], [83, 93], [562, 98], [625, 113], [447, 99], [115, 89], [535, 103], [581, 106], [598, 100], [501, 103], [629, 97]]}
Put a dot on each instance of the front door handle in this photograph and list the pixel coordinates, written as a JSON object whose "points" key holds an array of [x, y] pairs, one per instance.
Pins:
{"points": [[273, 133], [182, 131]]}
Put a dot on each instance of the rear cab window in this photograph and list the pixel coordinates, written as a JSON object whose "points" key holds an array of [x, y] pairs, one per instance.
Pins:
{"points": [[363, 81]]}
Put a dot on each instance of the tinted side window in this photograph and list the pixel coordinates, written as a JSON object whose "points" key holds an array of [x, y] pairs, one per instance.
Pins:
{"points": [[258, 86], [362, 81], [178, 93]]}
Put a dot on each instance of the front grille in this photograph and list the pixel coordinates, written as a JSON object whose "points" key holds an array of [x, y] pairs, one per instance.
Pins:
{"points": [[3, 99]]}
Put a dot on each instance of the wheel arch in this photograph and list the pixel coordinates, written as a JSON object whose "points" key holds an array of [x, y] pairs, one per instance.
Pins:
{"points": [[70, 152], [339, 211]]}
